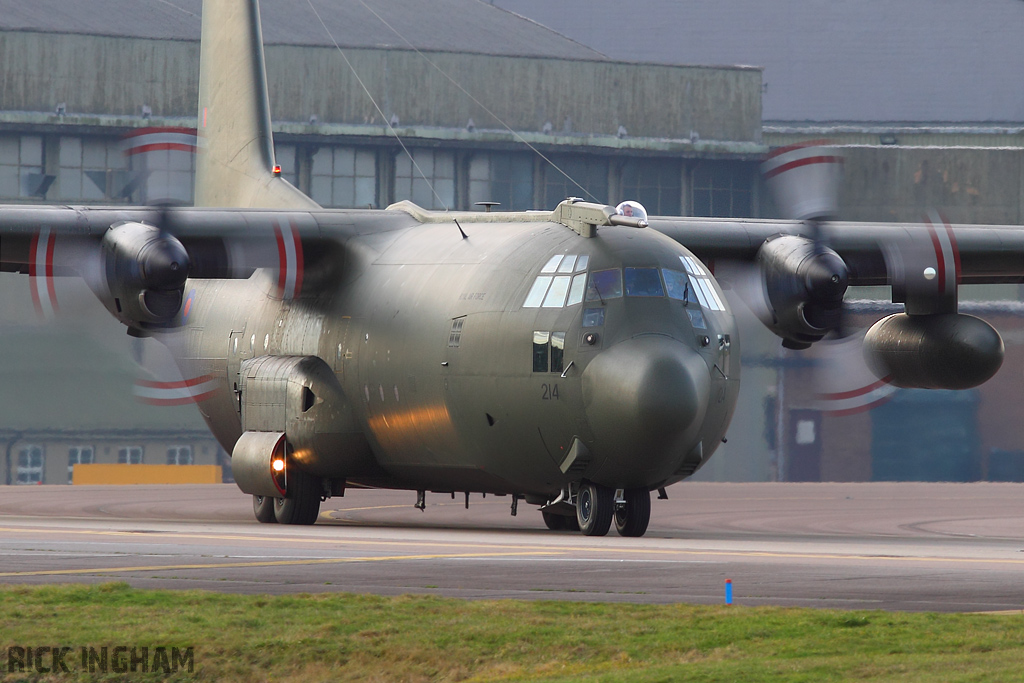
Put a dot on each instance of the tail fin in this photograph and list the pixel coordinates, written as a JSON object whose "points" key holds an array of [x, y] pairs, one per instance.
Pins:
{"points": [[235, 163]]}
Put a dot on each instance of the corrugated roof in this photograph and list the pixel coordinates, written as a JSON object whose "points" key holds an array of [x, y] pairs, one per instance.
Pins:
{"points": [[437, 25], [825, 60]]}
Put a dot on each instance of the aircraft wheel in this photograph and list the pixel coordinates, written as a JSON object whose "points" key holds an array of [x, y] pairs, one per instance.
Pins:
{"points": [[302, 506], [632, 518], [594, 509], [557, 522], [263, 507]]}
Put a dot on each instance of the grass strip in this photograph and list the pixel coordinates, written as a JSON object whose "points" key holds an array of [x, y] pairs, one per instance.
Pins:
{"points": [[345, 637]]}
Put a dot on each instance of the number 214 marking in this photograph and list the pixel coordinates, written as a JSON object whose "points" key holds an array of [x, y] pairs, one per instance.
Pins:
{"points": [[549, 392]]}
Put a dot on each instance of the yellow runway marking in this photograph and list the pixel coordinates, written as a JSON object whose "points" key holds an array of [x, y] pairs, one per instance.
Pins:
{"points": [[261, 539], [259, 563], [528, 549]]}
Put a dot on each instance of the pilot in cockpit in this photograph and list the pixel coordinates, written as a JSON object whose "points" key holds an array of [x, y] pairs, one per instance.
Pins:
{"points": [[631, 209]]}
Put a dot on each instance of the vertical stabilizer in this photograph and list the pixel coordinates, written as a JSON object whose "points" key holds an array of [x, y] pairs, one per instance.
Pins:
{"points": [[234, 167]]}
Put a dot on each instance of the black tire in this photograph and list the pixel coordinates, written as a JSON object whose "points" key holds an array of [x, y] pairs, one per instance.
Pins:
{"points": [[632, 518], [554, 521], [594, 509], [302, 506], [263, 508]]}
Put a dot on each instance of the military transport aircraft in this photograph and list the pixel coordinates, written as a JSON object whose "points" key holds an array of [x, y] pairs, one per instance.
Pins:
{"points": [[577, 359]]}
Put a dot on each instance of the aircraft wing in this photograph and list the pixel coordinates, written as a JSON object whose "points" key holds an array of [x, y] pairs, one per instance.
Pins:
{"points": [[136, 260], [978, 254]]}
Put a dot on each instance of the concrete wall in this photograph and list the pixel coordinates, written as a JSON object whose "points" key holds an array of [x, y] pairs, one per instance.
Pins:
{"points": [[104, 75], [968, 185], [887, 183]]}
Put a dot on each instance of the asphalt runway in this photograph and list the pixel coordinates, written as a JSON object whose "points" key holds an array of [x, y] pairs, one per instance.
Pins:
{"points": [[942, 547]]}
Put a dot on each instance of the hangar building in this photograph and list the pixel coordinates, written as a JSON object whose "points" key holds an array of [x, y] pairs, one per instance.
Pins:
{"points": [[98, 106]]}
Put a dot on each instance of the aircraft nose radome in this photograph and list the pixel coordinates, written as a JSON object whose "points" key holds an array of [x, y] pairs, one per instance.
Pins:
{"points": [[645, 400]]}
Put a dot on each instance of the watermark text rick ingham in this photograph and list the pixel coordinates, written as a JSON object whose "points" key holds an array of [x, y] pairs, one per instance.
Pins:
{"points": [[118, 659]]}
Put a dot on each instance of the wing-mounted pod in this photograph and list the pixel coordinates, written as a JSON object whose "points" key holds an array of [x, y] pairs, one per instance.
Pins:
{"points": [[144, 270], [930, 345], [300, 398], [934, 351], [804, 283]]}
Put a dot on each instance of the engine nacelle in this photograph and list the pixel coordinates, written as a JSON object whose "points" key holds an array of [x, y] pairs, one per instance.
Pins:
{"points": [[945, 351], [145, 271], [299, 396], [804, 284], [259, 464]]}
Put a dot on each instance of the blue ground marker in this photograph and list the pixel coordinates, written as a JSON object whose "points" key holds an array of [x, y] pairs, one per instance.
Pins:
{"points": [[728, 591]]}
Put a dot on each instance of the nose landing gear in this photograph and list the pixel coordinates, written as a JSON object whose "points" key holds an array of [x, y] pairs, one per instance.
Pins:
{"points": [[632, 512], [595, 506]]}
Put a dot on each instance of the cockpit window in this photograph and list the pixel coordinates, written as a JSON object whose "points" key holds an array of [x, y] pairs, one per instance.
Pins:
{"points": [[552, 264], [701, 282], [643, 282], [549, 291], [576, 291], [556, 294], [678, 286], [604, 284]]}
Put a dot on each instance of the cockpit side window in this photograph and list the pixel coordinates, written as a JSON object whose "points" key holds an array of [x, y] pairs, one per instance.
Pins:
{"points": [[604, 284], [701, 282], [540, 351], [678, 286], [643, 282]]}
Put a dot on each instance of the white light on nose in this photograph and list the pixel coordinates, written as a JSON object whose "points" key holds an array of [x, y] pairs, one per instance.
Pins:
{"points": [[929, 273], [278, 465]]}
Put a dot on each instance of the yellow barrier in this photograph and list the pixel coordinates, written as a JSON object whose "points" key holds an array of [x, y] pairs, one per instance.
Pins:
{"points": [[146, 474]]}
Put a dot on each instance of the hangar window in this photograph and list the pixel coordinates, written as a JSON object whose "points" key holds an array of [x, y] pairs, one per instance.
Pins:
{"points": [[286, 156], [438, 167], [503, 178], [167, 170], [21, 167], [590, 172], [30, 465], [655, 183], [79, 455], [179, 455], [344, 177], [92, 169], [129, 455], [722, 190]]}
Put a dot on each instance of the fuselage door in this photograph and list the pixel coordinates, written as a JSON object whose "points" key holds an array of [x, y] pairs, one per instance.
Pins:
{"points": [[238, 347]]}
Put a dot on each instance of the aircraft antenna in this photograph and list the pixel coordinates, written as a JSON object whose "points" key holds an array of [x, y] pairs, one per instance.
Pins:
{"points": [[477, 102], [377, 106]]}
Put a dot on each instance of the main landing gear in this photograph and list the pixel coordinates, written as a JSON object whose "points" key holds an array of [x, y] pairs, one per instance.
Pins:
{"points": [[301, 506], [598, 506]]}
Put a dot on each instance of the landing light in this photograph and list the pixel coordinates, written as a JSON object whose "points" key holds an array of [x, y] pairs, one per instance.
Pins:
{"points": [[278, 465]]}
